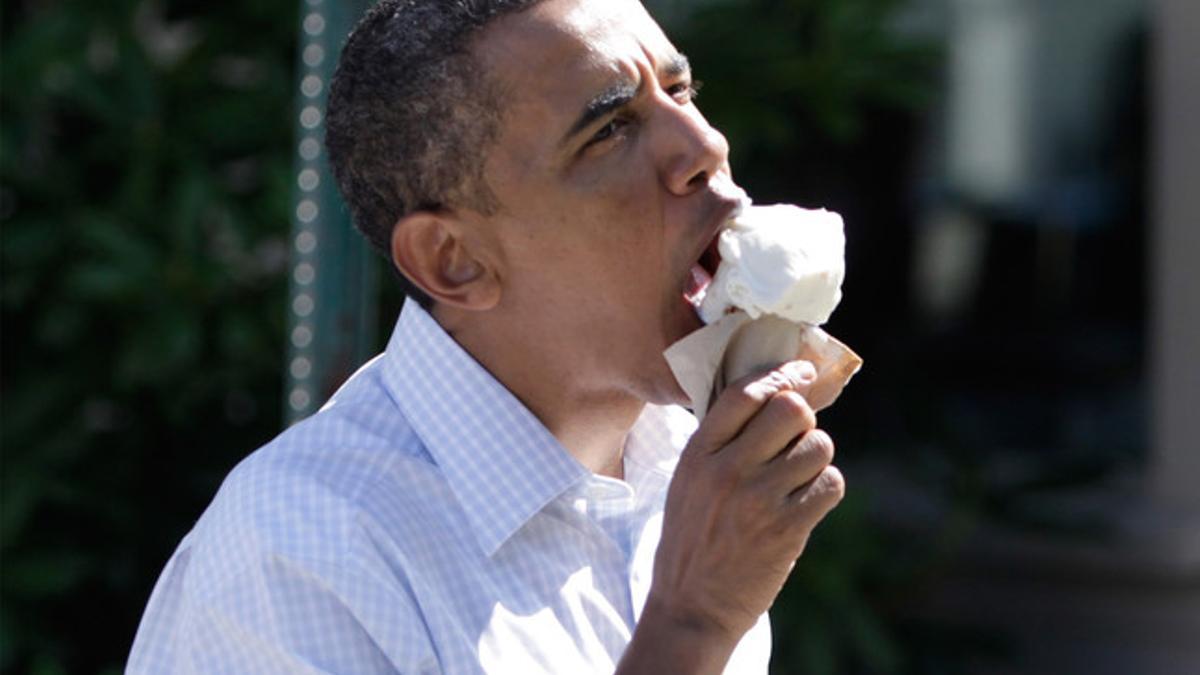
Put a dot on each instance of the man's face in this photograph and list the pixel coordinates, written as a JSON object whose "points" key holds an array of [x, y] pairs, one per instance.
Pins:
{"points": [[611, 185]]}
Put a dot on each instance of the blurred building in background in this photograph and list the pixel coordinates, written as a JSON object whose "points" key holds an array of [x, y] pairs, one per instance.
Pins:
{"points": [[1060, 198]]}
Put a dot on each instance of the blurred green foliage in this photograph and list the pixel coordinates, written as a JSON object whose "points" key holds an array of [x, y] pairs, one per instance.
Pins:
{"points": [[804, 67], [145, 165], [789, 77], [145, 173]]}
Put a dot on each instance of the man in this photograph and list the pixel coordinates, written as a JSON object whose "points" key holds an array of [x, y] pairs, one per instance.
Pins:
{"points": [[506, 489]]}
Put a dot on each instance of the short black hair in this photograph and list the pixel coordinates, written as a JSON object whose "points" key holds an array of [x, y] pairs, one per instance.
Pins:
{"points": [[410, 114]]}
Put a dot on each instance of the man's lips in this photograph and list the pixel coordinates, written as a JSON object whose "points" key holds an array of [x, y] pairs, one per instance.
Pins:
{"points": [[702, 272], [709, 258]]}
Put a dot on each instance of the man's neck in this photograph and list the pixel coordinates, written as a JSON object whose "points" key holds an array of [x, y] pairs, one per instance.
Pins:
{"points": [[592, 430], [592, 423]]}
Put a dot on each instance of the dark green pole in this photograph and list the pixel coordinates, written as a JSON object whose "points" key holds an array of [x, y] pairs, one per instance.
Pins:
{"points": [[333, 286]]}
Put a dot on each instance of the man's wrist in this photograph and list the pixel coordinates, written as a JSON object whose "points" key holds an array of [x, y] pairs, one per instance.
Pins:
{"points": [[676, 642]]}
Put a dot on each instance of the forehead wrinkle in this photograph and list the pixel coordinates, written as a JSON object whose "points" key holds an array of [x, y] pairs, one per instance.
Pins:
{"points": [[535, 62]]}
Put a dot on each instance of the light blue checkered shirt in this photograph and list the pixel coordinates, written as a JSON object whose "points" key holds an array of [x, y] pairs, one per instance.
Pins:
{"points": [[423, 522]]}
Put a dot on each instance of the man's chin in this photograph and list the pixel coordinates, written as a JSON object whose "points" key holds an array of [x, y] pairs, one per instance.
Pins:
{"points": [[666, 390], [677, 397]]}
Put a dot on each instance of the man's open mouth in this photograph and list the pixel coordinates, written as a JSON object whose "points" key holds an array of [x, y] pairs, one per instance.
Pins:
{"points": [[702, 273], [729, 202]]}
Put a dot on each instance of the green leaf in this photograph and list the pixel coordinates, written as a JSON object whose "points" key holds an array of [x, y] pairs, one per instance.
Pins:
{"points": [[44, 573]]}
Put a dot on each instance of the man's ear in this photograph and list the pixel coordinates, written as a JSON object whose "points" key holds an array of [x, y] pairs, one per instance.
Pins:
{"points": [[434, 250]]}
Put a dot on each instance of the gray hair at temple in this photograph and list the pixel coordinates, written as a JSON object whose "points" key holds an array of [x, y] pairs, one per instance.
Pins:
{"points": [[410, 114]]}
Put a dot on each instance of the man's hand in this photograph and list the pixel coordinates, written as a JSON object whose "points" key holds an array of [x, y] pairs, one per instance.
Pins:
{"points": [[751, 485]]}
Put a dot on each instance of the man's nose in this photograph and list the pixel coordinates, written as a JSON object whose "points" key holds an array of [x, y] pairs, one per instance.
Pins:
{"points": [[694, 151]]}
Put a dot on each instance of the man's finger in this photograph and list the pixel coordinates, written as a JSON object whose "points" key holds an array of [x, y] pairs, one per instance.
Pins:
{"points": [[784, 419], [800, 464], [744, 398], [813, 500]]}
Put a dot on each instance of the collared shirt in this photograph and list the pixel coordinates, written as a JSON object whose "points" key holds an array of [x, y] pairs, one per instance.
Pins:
{"points": [[423, 522]]}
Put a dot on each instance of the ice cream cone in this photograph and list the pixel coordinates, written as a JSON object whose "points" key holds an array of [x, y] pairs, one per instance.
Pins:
{"points": [[706, 361]]}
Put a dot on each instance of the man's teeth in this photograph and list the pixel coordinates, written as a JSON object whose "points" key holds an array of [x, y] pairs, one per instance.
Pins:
{"points": [[697, 285]]}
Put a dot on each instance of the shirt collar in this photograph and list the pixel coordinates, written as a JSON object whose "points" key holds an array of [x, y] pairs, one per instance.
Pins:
{"points": [[502, 464], [657, 439]]}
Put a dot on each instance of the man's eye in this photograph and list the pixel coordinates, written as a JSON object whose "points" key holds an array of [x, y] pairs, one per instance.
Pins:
{"points": [[607, 131], [685, 91]]}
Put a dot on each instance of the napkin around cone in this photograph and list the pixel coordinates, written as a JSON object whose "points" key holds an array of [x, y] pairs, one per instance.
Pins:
{"points": [[737, 345]]}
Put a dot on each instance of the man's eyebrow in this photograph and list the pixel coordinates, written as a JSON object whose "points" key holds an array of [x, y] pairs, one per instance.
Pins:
{"points": [[678, 65], [619, 95], [612, 98]]}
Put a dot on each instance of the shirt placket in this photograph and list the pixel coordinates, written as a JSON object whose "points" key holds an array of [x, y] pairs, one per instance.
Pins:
{"points": [[645, 532], [606, 507]]}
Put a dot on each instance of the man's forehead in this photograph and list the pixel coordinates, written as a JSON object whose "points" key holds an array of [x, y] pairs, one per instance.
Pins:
{"points": [[559, 51]]}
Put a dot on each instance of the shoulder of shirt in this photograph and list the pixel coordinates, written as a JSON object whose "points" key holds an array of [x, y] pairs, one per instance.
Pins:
{"points": [[313, 496]]}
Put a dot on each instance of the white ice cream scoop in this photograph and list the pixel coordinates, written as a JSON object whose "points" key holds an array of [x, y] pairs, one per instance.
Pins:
{"points": [[779, 278], [780, 260]]}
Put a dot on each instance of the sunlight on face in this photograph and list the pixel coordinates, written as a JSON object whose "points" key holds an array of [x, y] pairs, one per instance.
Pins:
{"points": [[602, 167]]}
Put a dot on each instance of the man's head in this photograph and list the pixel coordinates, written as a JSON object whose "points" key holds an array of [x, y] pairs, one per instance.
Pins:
{"points": [[565, 247], [410, 112]]}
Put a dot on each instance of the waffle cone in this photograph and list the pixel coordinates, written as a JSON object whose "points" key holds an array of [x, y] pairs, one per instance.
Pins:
{"points": [[706, 361]]}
